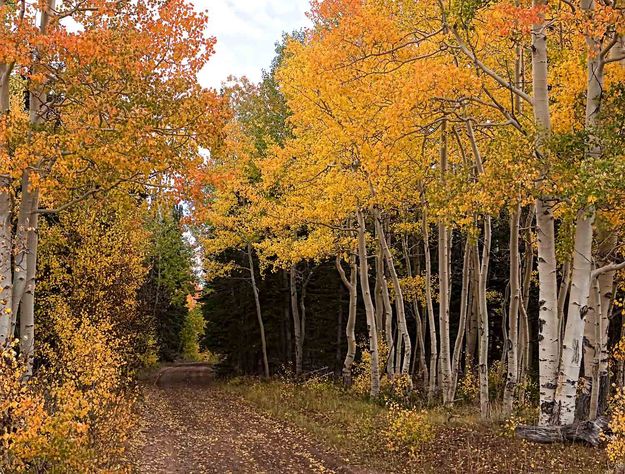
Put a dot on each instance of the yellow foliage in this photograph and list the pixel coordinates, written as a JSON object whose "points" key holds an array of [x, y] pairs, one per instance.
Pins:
{"points": [[407, 429]]}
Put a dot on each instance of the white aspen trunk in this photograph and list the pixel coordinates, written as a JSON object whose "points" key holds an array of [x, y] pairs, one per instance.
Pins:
{"points": [[594, 305], [399, 300], [27, 306], [472, 322], [302, 308], [388, 317], [547, 265], [464, 297], [380, 281], [420, 338], [513, 313], [483, 320], [582, 258], [6, 274], [577, 309], [548, 335], [443, 278], [352, 287], [482, 285], [563, 293], [259, 314], [524, 339], [606, 290], [369, 309], [297, 322], [430, 310], [6, 238]]}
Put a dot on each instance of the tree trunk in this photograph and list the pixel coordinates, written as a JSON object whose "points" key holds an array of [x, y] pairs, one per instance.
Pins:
{"points": [[369, 309], [587, 431], [464, 297], [420, 338], [577, 309], [352, 286], [259, 314], [27, 305], [548, 337], [513, 313], [297, 322], [524, 334], [483, 319], [399, 299], [443, 279], [6, 276], [430, 310]]}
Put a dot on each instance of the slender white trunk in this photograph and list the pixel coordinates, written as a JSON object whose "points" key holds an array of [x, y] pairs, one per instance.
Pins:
{"points": [[592, 343], [352, 287], [297, 322], [259, 313], [483, 320], [399, 300], [27, 306], [464, 297], [420, 337], [513, 313], [430, 310], [443, 284], [368, 302], [6, 239], [6, 274]]}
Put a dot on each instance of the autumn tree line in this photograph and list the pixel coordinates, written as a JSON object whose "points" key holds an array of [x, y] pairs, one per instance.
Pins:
{"points": [[418, 148], [101, 116]]}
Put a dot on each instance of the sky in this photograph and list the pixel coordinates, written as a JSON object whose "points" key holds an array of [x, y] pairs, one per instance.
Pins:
{"points": [[246, 32]]}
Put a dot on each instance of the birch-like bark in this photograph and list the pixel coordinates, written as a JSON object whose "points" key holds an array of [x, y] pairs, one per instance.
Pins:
{"points": [[352, 287], [483, 320], [259, 314], [297, 322], [368, 302], [597, 329], [443, 283], [399, 300], [582, 258], [606, 289], [6, 274], [570, 362], [563, 293], [524, 335], [483, 268], [430, 310], [464, 297], [545, 228], [420, 337], [27, 306], [513, 313], [388, 315], [380, 281]]}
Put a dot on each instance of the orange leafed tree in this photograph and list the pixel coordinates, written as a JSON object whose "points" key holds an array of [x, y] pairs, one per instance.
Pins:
{"points": [[93, 94]]}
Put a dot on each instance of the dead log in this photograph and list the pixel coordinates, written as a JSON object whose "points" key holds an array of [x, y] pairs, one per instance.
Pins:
{"points": [[584, 431]]}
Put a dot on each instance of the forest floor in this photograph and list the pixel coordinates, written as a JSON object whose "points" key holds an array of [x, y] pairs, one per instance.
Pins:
{"points": [[191, 423]]}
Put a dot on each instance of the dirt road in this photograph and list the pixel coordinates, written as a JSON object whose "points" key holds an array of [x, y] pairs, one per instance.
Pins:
{"points": [[191, 426]]}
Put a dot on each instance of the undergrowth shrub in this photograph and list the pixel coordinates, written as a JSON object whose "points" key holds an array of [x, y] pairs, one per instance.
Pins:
{"points": [[75, 415], [407, 429]]}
